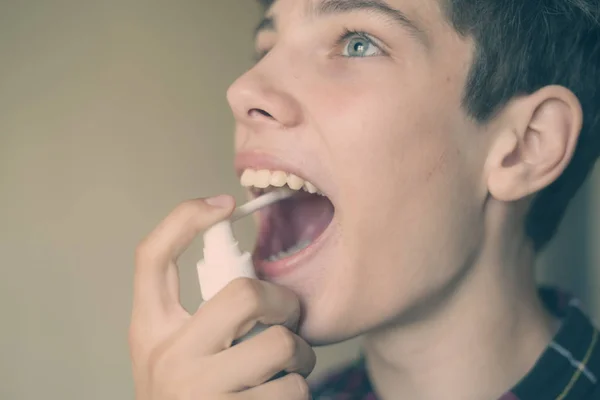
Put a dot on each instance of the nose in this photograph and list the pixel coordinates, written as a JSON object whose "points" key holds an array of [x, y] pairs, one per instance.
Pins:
{"points": [[259, 102]]}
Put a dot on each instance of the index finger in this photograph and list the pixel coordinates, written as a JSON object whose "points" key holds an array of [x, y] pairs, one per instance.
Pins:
{"points": [[156, 282]]}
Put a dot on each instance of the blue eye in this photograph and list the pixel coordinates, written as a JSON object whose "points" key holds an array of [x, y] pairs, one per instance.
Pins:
{"points": [[357, 44]]}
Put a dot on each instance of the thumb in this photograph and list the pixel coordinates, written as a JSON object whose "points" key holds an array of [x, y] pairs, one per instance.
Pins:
{"points": [[156, 256], [188, 220]]}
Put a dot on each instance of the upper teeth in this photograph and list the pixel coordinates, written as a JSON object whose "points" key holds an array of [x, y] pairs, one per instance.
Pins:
{"points": [[263, 178]]}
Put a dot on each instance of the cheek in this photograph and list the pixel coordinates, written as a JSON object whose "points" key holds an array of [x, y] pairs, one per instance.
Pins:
{"points": [[411, 236], [385, 149], [390, 139], [241, 137], [405, 187]]}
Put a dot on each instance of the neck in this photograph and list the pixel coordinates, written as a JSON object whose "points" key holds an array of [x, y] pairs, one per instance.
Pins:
{"points": [[478, 345]]}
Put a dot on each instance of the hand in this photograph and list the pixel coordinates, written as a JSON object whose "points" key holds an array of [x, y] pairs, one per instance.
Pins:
{"points": [[178, 356]]}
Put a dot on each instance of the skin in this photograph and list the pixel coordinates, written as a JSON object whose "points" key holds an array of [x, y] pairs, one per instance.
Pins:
{"points": [[427, 256], [178, 356]]}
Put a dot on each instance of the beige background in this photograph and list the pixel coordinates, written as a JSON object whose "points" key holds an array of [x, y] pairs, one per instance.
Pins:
{"points": [[112, 112]]}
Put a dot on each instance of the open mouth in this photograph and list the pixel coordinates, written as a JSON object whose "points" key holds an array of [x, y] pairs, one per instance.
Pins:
{"points": [[290, 226]]}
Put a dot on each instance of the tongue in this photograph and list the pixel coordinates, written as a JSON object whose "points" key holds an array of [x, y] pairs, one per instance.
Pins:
{"points": [[299, 219]]}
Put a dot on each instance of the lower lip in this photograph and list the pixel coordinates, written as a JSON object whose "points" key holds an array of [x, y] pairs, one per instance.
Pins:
{"points": [[285, 266]]}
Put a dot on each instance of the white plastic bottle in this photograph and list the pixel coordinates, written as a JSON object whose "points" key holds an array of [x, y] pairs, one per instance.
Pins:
{"points": [[224, 262]]}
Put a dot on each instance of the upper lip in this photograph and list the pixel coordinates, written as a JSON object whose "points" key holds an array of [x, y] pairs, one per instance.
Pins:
{"points": [[269, 161]]}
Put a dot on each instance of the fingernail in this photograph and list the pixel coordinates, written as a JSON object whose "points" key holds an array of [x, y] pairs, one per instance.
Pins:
{"points": [[223, 201]]}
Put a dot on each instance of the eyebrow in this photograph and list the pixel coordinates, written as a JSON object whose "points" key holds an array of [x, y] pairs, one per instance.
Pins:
{"points": [[331, 7]]}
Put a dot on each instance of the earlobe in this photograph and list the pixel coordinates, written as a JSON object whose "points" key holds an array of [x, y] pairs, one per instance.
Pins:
{"points": [[536, 143]]}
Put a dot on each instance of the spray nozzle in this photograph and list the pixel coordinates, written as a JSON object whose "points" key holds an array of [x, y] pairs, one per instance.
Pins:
{"points": [[260, 202]]}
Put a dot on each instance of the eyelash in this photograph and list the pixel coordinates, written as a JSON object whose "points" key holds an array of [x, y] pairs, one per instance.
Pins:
{"points": [[350, 33], [346, 35]]}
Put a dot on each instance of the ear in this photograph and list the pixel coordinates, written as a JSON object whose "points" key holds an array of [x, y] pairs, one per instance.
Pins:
{"points": [[534, 142]]}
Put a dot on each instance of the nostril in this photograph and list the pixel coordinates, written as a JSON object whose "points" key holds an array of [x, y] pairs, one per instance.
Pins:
{"points": [[255, 111]]}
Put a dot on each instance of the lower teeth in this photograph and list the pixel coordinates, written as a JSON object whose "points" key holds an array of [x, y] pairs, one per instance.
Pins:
{"points": [[289, 252]]}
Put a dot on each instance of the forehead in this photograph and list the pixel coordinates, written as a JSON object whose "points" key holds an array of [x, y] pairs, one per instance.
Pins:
{"points": [[425, 12]]}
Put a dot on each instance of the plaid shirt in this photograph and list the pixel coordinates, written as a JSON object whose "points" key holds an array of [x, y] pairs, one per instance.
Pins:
{"points": [[569, 369]]}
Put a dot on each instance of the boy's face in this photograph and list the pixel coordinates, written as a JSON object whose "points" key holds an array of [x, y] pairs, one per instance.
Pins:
{"points": [[374, 119]]}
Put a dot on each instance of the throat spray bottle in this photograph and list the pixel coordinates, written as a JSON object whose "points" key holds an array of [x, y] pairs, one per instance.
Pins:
{"points": [[223, 260]]}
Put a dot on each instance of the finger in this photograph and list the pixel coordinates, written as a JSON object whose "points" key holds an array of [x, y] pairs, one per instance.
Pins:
{"points": [[290, 387], [275, 350], [234, 311], [155, 277]]}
